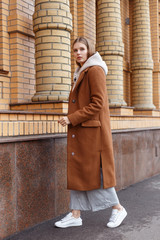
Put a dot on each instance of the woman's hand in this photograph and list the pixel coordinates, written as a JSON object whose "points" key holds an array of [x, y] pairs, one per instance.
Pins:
{"points": [[64, 121]]}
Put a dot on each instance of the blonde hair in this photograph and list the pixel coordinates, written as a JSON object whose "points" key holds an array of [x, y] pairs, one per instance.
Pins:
{"points": [[87, 43]]}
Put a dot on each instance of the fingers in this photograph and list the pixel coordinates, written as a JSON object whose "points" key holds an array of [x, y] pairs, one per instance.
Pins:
{"points": [[64, 121]]}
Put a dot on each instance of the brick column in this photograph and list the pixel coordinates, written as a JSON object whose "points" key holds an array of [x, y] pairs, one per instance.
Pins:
{"points": [[111, 47], [154, 16], [52, 27], [142, 63]]}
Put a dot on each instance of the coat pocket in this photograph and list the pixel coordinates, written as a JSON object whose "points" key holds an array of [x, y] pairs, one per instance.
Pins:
{"points": [[91, 123]]}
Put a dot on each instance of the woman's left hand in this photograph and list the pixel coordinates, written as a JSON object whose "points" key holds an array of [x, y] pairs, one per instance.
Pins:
{"points": [[64, 121]]}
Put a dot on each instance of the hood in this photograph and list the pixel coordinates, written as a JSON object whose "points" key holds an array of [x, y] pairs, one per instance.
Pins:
{"points": [[92, 61]]}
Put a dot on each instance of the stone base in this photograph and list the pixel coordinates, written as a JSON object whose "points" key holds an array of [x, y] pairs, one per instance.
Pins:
{"points": [[145, 112], [127, 111], [49, 96], [33, 183], [137, 155], [33, 174], [146, 106], [48, 106], [117, 103]]}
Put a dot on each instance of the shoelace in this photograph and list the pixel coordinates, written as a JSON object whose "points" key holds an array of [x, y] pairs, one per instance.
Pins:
{"points": [[114, 216]]}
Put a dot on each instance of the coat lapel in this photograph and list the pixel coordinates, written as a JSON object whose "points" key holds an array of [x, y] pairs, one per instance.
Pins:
{"points": [[81, 76]]}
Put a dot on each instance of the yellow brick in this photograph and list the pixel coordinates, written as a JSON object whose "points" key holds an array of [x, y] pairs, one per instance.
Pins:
{"points": [[59, 46], [43, 98], [26, 128], [56, 118], [43, 46], [65, 7], [52, 127], [0, 129], [44, 60], [43, 33], [16, 132], [42, 12], [51, 5], [44, 127], [57, 19], [31, 127], [51, 52], [60, 87], [40, 128], [11, 129], [53, 98], [35, 127], [49, 117], [48, 127], [45, 106], [52, 12], [4, 117], [52, 66], [45, 87], [5, 129], [43, 117], [29, 117], [21, 128], [37, 117], [34, 107], [46, 19], [44, 74], [56, 127]]}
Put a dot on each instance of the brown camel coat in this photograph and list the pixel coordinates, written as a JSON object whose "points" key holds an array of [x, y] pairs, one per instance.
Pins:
{"points": [[89, 134]]}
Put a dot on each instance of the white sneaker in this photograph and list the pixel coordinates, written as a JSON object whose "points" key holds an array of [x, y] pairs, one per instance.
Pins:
{"points": [[69, 221], [116, 218]]}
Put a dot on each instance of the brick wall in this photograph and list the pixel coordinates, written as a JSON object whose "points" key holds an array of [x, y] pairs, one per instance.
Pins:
{"points": [[22, 50], [74, 33], [4, 57], [4, 36], [84, 22], [125, 15], [17, 46], [154, 15]]}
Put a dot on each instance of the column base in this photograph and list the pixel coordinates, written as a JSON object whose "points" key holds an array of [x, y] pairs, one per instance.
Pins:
{"points": [[41, 107], [49, 97], [147, 112], [122, 111], [117, 103], [144, 106]]}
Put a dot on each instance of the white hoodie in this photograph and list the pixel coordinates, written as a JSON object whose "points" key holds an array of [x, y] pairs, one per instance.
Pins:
{"points": [[94, 60]]}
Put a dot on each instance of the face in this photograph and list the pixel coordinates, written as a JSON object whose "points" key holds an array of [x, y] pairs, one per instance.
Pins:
{"points": [[80, 52]]}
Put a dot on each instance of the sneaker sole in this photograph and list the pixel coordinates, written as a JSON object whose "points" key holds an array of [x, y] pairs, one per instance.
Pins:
{"points": [[117, 225], [66, 226]]}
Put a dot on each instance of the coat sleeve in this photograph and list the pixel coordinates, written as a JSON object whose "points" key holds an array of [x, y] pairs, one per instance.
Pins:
{"points": [[97, 82]]}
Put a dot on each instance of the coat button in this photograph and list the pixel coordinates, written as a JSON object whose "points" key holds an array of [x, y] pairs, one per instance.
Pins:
{"points": [[73, 136], [72, 153], [73, 101]]}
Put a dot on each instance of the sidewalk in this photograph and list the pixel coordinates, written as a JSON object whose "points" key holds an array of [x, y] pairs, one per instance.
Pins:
{"points": [[142, 201]]}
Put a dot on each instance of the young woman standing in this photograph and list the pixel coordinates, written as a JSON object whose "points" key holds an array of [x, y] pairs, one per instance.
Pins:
{"points": [[90, 162]]}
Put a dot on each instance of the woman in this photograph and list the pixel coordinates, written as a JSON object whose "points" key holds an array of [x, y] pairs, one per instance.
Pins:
{"points": [[90, 163]]}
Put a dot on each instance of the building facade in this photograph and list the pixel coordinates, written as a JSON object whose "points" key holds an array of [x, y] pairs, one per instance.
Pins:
{"points": [[36, 69]]}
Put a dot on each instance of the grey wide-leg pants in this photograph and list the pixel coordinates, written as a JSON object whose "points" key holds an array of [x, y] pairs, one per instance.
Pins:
{"points": [[94, 200]]}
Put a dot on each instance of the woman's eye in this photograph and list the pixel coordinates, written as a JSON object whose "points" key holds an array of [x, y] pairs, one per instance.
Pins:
{"points": [[75, 50], [82, 49]]}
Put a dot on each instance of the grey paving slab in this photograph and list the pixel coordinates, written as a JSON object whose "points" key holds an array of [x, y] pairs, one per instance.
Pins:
{"points": [[142, 202]]}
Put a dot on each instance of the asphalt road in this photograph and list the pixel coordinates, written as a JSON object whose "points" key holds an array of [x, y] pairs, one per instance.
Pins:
{"points": [[142, 202]]}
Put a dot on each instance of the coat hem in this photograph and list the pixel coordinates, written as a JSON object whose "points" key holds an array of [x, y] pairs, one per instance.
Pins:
{"points": [[90, 189]]}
